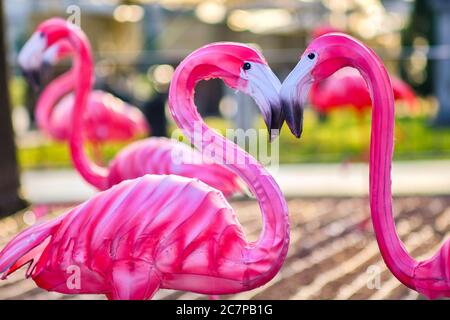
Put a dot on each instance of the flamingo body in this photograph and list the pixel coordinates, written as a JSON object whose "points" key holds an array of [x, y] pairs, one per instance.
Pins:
{"points": [[107, 119], [346, 88], [143, 234], [168, 156]]}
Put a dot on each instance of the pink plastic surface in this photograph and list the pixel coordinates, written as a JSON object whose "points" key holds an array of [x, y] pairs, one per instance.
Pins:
{"points": [[141, 235], [430, 277], [159, 231]]}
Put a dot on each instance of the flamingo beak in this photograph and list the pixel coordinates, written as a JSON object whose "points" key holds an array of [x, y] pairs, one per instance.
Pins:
{"points": [[30, 59], [45, 71], [49, 60], [294, 95], [33, 78], [264, 86]]}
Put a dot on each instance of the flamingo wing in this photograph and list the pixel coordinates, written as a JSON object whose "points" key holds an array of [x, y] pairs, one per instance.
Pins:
{"points": [[107, 119], [156, 231], [110, 118], [26, 247], [168, 156]]}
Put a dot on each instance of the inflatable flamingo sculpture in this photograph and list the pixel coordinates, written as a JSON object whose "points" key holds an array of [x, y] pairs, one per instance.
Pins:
{"points": [[107, 118], [151, 155], [324, 56], [161, 231]]}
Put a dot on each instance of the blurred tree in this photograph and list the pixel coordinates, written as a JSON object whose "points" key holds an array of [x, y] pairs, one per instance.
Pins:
{"points": [[10, 200], [441, 9], [154, 109], [420, 26]]}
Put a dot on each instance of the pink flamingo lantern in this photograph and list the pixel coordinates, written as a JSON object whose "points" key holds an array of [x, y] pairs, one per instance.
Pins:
{"points": [[324, 56], [161, 231], [151, 155], [107, 118]]}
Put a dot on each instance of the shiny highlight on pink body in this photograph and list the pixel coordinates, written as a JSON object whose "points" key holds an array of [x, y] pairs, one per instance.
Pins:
{"points": [[164, 231], [141, 235]]}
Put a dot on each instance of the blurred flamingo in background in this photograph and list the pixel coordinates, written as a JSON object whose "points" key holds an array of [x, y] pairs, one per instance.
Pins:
{"points": [[151, 155], [323, 57], [165, 231], [107, 118], [347, 89]]}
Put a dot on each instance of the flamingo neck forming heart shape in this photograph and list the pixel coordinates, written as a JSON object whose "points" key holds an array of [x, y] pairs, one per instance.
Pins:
{"points": [[323, 57]]}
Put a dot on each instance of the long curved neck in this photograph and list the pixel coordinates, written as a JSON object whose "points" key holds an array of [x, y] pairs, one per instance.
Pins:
{"points": [[392, 249], [431, 276], [52, 93], [271, 248], [83, 66]]}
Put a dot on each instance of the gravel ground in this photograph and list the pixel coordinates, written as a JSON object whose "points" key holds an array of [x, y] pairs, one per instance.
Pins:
{"points": [[332, 255]]}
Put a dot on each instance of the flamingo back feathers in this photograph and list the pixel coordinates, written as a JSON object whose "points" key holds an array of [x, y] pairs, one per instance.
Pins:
{"points": [[107, 119], [168, 156], [172, 223]]}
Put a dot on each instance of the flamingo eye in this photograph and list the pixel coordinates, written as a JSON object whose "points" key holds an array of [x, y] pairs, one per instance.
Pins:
{"points": [[247, 66], [41, 35], [311, 56]]}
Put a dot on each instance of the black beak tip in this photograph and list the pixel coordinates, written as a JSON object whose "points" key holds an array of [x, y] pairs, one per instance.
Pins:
{"points": [[274, 123], [294, 117], [295, 129], [33, 78]]}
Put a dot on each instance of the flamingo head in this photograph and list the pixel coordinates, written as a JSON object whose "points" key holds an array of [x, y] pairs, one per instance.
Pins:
{"points": [[56, 52], [244, 69], [53, 55], [31, 57], [324, 56]]}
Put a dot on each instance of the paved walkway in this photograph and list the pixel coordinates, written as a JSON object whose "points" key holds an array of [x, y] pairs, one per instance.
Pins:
{"points": [[305, 180], [408, 178]]}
